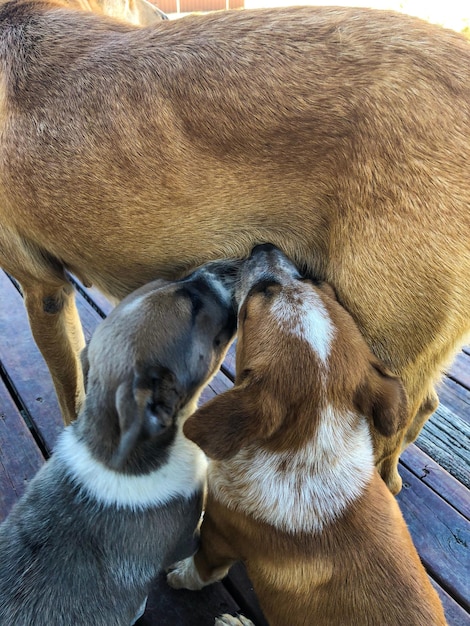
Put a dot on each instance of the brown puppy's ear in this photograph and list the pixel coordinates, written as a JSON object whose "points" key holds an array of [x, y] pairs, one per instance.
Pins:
{"points": [[221, 427], [227, 423], [383, 399], [146, 408]]}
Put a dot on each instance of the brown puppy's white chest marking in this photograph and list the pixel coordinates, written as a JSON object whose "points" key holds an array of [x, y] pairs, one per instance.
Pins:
{"points": [[302, 490]]}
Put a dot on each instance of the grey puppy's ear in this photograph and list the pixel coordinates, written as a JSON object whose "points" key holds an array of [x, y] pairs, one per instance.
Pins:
{"points": [[146, 408]]}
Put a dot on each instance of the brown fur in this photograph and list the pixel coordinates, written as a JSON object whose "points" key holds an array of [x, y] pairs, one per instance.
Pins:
{"points": [[341, 135], [331, 579], [360, 566]]}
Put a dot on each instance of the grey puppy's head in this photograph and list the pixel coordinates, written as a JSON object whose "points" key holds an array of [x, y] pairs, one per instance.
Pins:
{"points": [[147, 363]]}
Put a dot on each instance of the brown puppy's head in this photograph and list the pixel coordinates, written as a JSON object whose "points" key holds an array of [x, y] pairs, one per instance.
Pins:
{"points": [[147, 363], [299, 352]]}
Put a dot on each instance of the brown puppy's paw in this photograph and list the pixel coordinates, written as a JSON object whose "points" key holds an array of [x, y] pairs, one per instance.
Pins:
{"points": [[184, 575]]}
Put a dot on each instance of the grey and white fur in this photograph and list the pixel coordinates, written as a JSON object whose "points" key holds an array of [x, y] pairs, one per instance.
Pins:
{"points": [[121, 497]]}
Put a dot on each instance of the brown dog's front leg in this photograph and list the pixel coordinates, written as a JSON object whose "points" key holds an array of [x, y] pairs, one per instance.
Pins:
{"points": [[210, 564], [57, 330]]}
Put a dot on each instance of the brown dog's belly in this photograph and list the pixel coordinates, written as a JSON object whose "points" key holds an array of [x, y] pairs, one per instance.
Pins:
{"points": [[287, 126]]}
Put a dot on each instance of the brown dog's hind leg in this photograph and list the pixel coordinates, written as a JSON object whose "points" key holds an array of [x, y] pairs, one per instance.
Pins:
{"points": [[387, 453], [50, 303], [388, 469], [427, 408], [57, 330], [388, 450]]}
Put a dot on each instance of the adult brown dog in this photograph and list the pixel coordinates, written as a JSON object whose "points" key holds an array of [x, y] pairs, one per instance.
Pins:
{"points": [[138, 12], [292, 488], [340, 135]]}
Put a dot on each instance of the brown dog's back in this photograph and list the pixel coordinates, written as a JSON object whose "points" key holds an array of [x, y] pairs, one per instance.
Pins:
{"points": [[342, 134]]}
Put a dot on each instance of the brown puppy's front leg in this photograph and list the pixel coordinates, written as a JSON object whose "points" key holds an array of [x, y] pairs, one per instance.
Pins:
{"points": [[57, 330], [210, 564]]}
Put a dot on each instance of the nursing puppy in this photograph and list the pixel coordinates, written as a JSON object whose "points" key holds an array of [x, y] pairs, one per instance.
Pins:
{"points": [[339, 134], [292, 488], [121, 496]]}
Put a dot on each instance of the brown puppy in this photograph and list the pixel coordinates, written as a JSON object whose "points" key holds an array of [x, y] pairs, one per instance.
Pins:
{"points": [[341, 135], [292, 486]]}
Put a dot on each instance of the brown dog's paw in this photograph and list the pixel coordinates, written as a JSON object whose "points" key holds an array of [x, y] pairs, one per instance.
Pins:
{"points": [[231, 620]]}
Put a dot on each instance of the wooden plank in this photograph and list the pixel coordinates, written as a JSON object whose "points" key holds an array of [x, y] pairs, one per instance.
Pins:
{"points": [[446, 438], [228, 366], [440, 534], [455, 397], [435, 477], [20, 458], [218, 384], [460, 369], [455, 614]]}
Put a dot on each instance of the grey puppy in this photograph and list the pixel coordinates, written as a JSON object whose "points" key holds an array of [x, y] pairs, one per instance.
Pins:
{"points": [[121, 497]]}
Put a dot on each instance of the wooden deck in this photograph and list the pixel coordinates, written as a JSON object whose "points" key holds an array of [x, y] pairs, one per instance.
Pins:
{"points": [[435, 499]]}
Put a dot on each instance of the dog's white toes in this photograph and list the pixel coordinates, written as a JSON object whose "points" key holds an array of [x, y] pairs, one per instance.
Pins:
{"points": [[231, 620], [184, 575]]}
